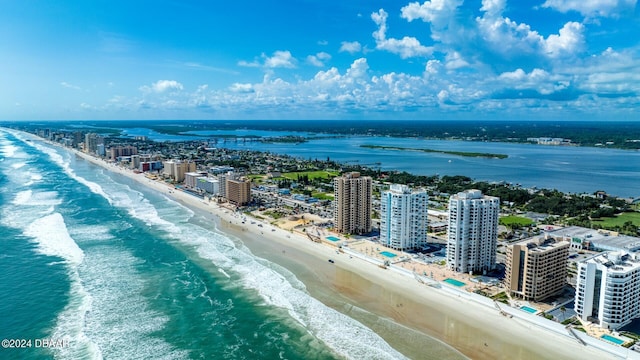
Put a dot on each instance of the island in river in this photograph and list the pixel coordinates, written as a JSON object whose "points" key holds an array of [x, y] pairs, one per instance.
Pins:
{"points": [[458, 153]]}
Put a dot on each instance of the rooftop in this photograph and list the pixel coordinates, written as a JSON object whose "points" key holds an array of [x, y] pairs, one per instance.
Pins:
{"points": [[600, 239], [616, 260], [541, 243]]}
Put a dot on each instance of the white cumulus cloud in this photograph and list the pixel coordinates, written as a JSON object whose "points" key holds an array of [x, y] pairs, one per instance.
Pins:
{"points": [[161, 86], [455, 61], [318, 59], [510, 38], [351, 47], [280, 59], [435, 11], [569, 40], [406, 47], [241, 88], [593, 8]]}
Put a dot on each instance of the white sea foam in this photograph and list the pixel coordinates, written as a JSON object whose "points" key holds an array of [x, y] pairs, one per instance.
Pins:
{"points": [[22, 197], [33, 178], [18, 165], [141, 209], [279, 287], [224, 273], [58, 159], [41, 198], [53, 239], [28, 206], [70, 324], [91, 233], [8, 149], [113, 296], [121, 322], [50, 232], [275, 285]]}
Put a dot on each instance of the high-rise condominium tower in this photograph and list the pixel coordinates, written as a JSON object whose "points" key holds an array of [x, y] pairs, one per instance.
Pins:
{"points": [[352, 203], [472, 237], [403, 217]]}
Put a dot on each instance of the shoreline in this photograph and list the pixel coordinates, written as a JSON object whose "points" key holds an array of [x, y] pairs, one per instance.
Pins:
{"points": [[461, 324]]}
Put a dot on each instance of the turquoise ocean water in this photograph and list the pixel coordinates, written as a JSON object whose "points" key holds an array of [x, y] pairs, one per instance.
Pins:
{"points": [[120, 272]]}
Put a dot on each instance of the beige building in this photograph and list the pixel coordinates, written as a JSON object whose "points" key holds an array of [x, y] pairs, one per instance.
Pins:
{"points": [[352, 203], [238, 191], [91, 142], [177, 169], [118, 151], [536, 268]]}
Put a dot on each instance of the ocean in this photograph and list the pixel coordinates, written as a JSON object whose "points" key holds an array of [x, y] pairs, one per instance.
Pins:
{"points": [[107, 269]]}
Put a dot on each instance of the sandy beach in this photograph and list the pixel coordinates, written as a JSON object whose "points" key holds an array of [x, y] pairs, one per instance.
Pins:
{"points": [[397, 307]]}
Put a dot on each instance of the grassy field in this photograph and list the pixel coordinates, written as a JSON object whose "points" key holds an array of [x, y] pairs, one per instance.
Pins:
{"points": [[257, 178], [619, 220], [311, 174], [322, 196], [511, 220]]}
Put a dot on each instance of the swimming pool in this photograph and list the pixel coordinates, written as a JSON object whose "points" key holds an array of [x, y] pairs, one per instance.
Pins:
{"points": [[612, 339], [388, 254], [333, 238], [454, 282], [529, 309]]}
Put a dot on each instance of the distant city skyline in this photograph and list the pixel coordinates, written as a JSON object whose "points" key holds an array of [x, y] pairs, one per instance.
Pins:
{"points": [[374, 59]]}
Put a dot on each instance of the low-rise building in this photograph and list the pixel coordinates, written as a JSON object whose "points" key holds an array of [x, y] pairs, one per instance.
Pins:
{"points": [[208, 185], [191, 179], [599, 240]]}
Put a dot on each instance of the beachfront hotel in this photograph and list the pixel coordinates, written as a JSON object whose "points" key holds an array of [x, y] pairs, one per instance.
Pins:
{"points": [[222, 179], [91, 142], [536, 268], [403, 217], [238, 191], [472, 236], [117, 151], [608, 289], [208, 185], [191, 179], [352, 203], [176, 169]]}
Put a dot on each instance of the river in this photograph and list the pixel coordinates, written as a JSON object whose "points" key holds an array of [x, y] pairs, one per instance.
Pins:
{"points": [[566, 168]]}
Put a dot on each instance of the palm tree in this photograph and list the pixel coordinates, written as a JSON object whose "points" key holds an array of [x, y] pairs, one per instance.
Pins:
{"points": [[563, 310]]}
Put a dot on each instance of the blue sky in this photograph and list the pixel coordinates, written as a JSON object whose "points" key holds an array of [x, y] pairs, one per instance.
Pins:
{"points": [[312, 59]]}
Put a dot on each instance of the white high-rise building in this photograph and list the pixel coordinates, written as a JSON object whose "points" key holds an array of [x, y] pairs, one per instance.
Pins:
{"points": [[472, 238], [403, 218], [608, 289]]}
